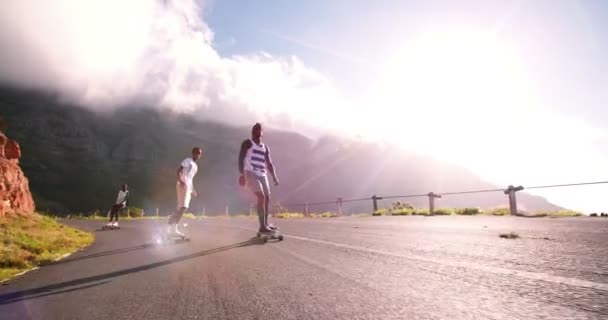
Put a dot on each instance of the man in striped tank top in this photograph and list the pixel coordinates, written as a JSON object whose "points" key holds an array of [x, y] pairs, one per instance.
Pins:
{"points": [[254, 165]]}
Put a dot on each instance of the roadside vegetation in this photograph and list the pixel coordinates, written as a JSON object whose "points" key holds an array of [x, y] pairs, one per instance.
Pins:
{"points": [[32, 240], [404, 209]]}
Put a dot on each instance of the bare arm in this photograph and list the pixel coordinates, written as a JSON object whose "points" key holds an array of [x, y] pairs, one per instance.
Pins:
{"points": [[180, 179], [271, 166], [244, 147]]}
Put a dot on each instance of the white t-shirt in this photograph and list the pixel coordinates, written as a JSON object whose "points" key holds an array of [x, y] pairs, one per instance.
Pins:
{"points": [[188, 172], [122, 195]]}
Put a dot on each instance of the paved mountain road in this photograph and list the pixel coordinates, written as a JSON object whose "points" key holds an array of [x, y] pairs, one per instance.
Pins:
{"points": [[339, 268]]}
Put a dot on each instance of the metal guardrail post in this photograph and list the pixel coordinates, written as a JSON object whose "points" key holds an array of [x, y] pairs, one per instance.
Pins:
{"points": [[339, 203], [432, 197], [375, 202], [511, 190]]}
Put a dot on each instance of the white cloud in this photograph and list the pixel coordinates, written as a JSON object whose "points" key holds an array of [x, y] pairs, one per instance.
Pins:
{"points": [[472, 104], [111, 53]]}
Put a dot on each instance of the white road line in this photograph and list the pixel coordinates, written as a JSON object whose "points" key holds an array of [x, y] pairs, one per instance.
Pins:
{"points": [[495, 270]]}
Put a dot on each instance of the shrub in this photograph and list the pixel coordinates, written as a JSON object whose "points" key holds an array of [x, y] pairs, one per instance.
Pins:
{"points": [[499, 211], [102, 214], [132, 212], [288, 215], [380, 212], [558, 213], [468, 211], [398, 205], [402, 212], [444, 211], [421, 212], [329, 214]]}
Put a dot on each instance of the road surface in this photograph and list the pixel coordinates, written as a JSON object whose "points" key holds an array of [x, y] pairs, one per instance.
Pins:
{"points": [[337, 268]]}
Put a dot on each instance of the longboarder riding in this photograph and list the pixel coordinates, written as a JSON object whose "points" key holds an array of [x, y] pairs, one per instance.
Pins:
{"points": [[184, 189], [254, 163], [122, 199]]}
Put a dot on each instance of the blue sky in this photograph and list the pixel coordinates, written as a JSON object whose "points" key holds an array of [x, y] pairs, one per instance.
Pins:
{"points": [[565, 41], [514, 91], [560, 47]]}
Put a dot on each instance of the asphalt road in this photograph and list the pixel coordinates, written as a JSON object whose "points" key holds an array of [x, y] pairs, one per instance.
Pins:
{"points": [[339, 268]]}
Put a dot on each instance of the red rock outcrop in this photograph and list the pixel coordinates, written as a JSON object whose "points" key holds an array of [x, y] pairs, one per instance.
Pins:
{"points": [[15, 196]]}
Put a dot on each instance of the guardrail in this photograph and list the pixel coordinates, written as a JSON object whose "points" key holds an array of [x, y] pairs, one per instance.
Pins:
{"points": [[509, 191]]}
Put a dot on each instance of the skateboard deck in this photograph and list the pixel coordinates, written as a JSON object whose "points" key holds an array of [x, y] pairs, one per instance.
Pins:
{"points": [[276, 234], [164, 239]]}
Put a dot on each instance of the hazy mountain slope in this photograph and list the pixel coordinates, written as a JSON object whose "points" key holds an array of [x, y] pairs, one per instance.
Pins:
{"points": [[76, 159]]}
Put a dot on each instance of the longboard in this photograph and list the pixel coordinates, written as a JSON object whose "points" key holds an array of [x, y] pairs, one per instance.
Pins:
{"points": [[276, 234], [164, 239]]}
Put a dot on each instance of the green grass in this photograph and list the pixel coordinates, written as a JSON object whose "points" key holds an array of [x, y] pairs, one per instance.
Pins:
{"points": [[189, 215], [559, 213], [34, 240], [381, 212], [300, 215], [360, 215], [289, 215], [425, 212], [402, 212], [500, 211], [467, 211], [444, 212], [324, 215]]}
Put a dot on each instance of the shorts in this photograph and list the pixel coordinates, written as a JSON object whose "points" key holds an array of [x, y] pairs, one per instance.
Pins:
{"points": [[183, 196], [257, 183]]}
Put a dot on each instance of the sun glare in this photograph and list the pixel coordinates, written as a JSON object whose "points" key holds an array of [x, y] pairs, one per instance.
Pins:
{"points": [[454, 87]]}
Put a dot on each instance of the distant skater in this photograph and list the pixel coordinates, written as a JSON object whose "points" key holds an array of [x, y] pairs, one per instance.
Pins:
{"points": [[121, 202]]}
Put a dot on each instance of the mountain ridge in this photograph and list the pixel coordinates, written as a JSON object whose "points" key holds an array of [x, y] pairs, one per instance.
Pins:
{"points": [[76, 158]]}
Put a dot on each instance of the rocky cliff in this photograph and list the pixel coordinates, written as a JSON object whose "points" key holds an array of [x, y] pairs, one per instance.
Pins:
{"points": [[15, 196]]}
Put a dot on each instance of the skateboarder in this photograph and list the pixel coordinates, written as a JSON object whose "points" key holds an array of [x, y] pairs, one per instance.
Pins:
{"points": [[184, 188], [121, 202], [254, 163]]}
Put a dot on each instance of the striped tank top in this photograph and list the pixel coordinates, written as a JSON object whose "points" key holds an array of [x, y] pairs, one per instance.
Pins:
{"points": [[255, 160]]}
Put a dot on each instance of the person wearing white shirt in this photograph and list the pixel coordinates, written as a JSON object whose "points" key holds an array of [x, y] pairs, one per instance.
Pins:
{"points": [[184, 188], [121, 202]]}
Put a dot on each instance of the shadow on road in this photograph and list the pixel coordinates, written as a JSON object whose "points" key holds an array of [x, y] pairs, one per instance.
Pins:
{"points": [[91, 281], [101, 254]]}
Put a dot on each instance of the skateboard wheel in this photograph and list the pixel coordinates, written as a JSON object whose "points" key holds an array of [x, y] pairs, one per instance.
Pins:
{"points": [[265, 239], [281, 238]]}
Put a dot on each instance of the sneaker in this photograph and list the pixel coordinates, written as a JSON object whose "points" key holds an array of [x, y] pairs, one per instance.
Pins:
{"points": [[115, 224], [265, 230], [272, 226]]}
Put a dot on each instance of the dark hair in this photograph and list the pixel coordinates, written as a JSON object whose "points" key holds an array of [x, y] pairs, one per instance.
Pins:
{"points": [[256, 125], [197, 149]]}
